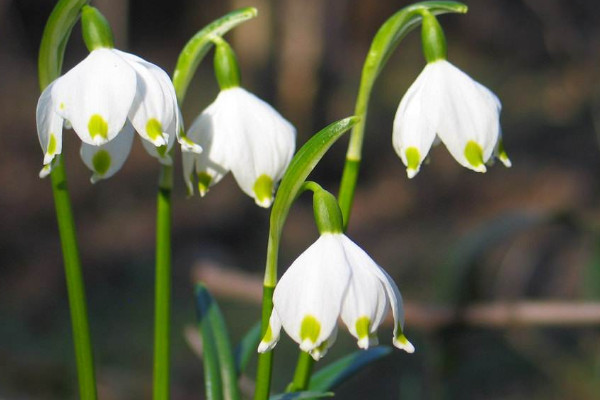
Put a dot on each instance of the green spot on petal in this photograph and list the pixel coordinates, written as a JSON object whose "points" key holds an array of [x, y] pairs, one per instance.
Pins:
{"points": [[268, 335], [51, 145], [502, 154], [474, 154], [162, 150], [204, 181], [98, 127], [101, 162], [413, 158], [263, 189], [310, 329], [61, 106], [362, 327], [153, 129]]}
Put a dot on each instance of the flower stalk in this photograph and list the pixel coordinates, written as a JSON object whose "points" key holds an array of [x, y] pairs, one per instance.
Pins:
{"points": [[55, 37], [384, 43]]}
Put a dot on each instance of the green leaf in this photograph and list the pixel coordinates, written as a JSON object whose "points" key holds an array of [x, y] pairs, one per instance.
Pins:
{"points": [[197, 47], [300, 167], [301, 395], [341, 370], [246, 348], [55, 38], [212, 326]]}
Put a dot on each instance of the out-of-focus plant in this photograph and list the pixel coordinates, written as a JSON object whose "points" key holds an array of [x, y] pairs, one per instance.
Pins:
{"points": [[112, 93]]}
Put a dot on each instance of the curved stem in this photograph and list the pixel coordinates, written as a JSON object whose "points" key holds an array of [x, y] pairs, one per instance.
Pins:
{"points": [[75, 286], [383, 45], [162, 308]]}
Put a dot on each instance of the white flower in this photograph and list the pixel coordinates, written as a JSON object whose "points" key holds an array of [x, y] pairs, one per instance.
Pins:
{"points": [[240, 133], [104, 98], [332, 278], [445, 103]]}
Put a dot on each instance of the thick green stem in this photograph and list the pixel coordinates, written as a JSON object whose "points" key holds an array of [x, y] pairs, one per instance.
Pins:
{"points": [[75, 287], [302, 374], [162, 308], [52, 48], [265, 360]]}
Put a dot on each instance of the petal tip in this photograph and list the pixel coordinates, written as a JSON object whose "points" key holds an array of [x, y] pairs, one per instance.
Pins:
{"points": [[402, 342]]}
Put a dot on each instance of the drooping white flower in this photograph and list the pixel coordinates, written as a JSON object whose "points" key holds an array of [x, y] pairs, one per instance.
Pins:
{"points": [[103, 98], [243, 134], [334, 278], [447, 104]]}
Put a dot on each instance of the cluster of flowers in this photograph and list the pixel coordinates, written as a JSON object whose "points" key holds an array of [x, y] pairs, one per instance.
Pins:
{"points": [[111, 94]]}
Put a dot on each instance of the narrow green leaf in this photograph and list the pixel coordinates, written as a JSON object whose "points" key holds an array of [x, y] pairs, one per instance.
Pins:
{"points": [[301, 395], [55, 38], [302, 165], [210, 313], [197, 47], [246, 348], [210, 358], [341, 370]]}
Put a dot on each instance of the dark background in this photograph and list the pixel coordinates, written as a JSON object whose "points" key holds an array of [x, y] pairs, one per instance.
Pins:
{"points": [[449, 237]]}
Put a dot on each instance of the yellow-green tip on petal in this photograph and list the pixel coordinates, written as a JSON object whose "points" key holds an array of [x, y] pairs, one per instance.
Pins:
{"points": [[155, 133], [502, 156], [474, 156], [101, 163], [263, 191], [402, 342], [309, 332], [362, 326], [267, 342], [204, 181], [413, 161], [98, 128]]}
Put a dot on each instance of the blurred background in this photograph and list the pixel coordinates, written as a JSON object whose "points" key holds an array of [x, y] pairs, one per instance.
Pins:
{"points": [[499, 271]]}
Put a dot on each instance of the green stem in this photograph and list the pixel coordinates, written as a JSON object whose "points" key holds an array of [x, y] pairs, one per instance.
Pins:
{"points": [[162, 308], [265, 360], [75, 287], [52, 48], [384, 43], [302, 374]]}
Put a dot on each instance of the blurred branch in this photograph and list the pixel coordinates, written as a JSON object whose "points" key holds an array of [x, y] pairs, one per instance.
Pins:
{"points": [[243, 286]]}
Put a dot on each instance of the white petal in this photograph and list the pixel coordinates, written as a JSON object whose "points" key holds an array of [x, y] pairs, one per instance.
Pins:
{"points": [[264, 141], [467, 112], [154, 109], [272, 336], [107, 159], [320, 352], [308, 298], [49, 128], [162, 153], [212, 130], [96, 96], [413, 132], [365, 304]]}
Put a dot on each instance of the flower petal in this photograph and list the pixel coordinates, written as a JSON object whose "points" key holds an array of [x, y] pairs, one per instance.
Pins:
{"points": [[107, 159], [272, 335], [308, 298], [365, 304], [264, 143], [49, 128], [467, 114], [413, 132], [154, 107], [212, 131], [96, 95]]}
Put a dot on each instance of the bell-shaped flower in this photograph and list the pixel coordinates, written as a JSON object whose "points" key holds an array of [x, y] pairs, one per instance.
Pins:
{"points": [[334, 278], [103, 98], [243, 134], [445, 103]]}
